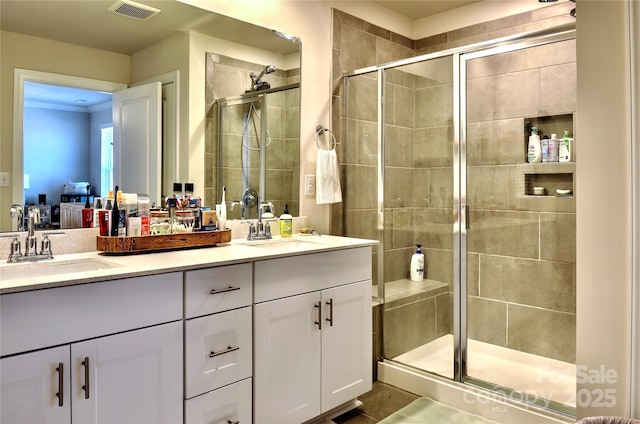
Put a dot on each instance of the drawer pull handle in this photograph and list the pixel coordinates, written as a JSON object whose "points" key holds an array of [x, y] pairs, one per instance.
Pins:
{"points": [[233, 422], [319, 322], [330, 319], [222, 352], [228, 289], [60, 394]]}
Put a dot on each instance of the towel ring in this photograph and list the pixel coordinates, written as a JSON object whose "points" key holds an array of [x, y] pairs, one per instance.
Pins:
{"points": [[321, 130]]}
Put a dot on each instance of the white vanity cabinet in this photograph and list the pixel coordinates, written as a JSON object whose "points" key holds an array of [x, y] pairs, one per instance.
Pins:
{"points": [[120, 344], [218, 344], [312, 332]]}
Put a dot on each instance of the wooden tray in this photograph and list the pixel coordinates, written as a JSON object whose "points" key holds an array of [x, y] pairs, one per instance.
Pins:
{"points": [[162, 242]]}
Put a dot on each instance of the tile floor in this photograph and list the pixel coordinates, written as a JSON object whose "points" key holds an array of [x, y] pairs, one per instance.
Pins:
{"points": [[379, 403]]}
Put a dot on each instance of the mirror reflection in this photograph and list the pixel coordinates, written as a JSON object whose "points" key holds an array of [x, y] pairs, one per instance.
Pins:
{"points": [[78, 167]]}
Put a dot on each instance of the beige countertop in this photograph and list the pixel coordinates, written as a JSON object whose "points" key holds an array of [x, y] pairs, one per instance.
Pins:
{"points": [[80, 268]]}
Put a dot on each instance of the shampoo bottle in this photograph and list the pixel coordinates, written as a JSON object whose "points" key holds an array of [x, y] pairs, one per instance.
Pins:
{"points": [[565, 149], [286, 223], [534, 151], [553, 148], [417, 265]]}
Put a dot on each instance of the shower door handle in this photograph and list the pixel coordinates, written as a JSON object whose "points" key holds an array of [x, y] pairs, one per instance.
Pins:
{"points": [[466, 217]]}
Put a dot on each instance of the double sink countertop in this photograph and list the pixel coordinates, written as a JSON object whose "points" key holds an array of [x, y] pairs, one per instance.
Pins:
{"points": [[80, 268]]}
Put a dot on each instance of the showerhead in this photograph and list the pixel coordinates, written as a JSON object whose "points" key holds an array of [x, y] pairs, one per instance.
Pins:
{"points": [[256, 83]]}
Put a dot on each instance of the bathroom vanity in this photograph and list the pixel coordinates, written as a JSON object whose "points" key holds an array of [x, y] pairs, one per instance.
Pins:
{"points": [[277, 331]]}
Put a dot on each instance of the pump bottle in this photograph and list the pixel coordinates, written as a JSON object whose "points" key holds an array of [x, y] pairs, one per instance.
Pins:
{"points": [[534, 150], [417, 265], [286, 223]]}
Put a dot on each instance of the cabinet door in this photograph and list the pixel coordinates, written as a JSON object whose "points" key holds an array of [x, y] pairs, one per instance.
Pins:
{"points": [[287, 359], [346, 343], [133, 377], [36, 387]]}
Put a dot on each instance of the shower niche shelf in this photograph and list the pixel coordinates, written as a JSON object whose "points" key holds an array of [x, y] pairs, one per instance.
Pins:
{"points": [[551, 176], [548, 125]]}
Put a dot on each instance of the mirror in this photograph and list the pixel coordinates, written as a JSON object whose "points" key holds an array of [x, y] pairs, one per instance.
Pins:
{"points": [[90, 25]]}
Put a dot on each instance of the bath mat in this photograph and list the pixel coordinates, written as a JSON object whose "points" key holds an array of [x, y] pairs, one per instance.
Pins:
{"points": [[427, 411]]}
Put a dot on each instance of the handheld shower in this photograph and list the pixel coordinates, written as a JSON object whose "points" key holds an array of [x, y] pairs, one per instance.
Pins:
{"points": [[256, 80]]}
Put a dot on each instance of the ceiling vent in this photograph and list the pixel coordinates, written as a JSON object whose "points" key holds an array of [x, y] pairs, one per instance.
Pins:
{"points": [[133, 10]]}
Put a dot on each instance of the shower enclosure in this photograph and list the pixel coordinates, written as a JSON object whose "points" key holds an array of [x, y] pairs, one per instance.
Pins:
{"points": [[258, 149], [443, 137]]}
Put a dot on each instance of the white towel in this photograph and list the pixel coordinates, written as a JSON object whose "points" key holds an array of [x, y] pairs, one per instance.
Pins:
{"points": [[327, 177]]}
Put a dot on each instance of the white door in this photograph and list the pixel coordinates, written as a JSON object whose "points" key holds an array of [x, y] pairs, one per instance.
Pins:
{"points": [[137, 140], [287, 360], [36, 387], [346, 343], [133, 377]]}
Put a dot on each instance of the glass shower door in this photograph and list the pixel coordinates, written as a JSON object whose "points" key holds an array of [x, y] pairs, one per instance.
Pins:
{"points": [[399, 181], [520, 246]]}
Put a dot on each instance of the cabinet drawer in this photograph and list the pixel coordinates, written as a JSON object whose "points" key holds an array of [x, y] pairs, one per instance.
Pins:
{"points": [[49, 317], [282, 277], [218, 350], [229, 404], [212, 290]]}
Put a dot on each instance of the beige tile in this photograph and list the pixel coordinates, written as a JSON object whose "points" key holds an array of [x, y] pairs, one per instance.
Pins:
{"points": [[404, 107], [433, 147], [421, 187], [558, 237], [503, 97], [402, 75], [439, 265], [504, 233], [398, 144], [434, 228], [399, 337], [557, 90], [402, 228], [488, 187], [542, 332], [398, 187], [389, 51], [356, 47], [363, 97], [441, 188], [473, 274], [434, 106], [444, 314], [360, 193], [543, 284], [396, 263], [487, 320], [495, 142], [361, 223]]}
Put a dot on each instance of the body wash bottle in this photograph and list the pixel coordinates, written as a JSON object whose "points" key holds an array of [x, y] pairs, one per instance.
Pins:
{"points": [[417, 265], [534, 151], [565, 149]]}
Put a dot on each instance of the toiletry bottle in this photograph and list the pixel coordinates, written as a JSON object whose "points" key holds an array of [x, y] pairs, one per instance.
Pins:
{"points": [[221, 210], [417, 265], [122, 213], [115, 217], [544, 145], [534, 149], [565, 149], [286, 223], [553, 148], [109, 202]]}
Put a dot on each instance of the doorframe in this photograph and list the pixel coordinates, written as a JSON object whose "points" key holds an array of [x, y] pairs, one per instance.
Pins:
{"points": [[20, 76]]}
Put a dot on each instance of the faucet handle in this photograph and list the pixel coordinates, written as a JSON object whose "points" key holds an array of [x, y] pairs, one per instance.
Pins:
{"points": [[45, 247], [15, 248]]}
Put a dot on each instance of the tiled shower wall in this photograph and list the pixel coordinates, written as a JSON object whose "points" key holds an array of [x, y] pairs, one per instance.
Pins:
{"points": [[229, 77], [534, 312]]}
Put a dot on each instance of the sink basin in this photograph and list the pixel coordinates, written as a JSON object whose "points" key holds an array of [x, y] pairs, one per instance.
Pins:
{"points": [[286, 243], [25, 270]]}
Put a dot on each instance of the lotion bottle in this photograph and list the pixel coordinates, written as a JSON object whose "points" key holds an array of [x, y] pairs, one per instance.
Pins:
{"points": [[286, 223], [534, 150], [566, 147], [417, 265]]}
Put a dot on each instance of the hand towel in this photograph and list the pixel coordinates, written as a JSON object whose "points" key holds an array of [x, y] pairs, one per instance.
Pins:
{"points": [[327, 177]]}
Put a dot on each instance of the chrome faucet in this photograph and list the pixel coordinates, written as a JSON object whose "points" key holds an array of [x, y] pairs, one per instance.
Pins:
{"points": [[263, 231], [31, 242], [16, 214]]}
